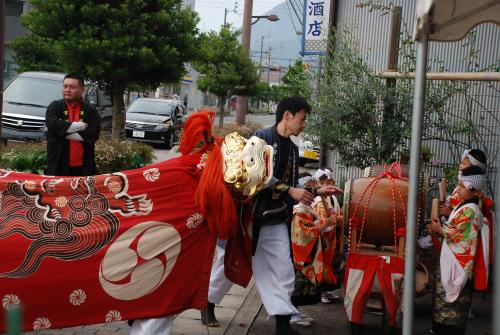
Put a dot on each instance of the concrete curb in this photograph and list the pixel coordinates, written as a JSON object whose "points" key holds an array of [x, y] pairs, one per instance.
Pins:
{"points": [[242, 321]]}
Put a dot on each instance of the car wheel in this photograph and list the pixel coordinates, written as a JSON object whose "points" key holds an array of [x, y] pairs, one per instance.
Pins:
{"points": [[170, 140]]}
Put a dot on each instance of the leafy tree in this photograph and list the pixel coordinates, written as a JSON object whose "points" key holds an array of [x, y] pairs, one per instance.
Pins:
{"points": [[114, 43], [297, 81], [225, 69], [35, 53], [348, 115], [268, 93]]}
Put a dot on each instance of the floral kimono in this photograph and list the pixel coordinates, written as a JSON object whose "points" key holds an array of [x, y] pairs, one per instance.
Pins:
{"points": [[453, 279], [486, 204], [329, 241], [312, 254]]}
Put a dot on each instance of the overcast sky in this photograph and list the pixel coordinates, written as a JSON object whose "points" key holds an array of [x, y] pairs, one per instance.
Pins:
{"points": [[212, 12]]}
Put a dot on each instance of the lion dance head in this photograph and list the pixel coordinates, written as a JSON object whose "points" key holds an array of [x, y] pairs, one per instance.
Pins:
{"points": [[234, 170]]}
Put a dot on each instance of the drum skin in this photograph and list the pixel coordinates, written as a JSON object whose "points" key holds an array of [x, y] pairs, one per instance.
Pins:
{"points": [[378, 228]]}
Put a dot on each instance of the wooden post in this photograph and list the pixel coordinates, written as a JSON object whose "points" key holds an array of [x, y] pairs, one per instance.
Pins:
{"points": [[435, 209], [401, 247], [392, 64], [395, 30], [466, 76], [442, 190]]}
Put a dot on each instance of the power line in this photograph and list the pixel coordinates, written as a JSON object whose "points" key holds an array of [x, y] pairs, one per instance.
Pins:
{"points": [[291, 18], [299, 17]]}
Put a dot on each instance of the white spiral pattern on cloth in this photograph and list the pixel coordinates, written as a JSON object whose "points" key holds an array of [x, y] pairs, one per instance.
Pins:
{"points": [[10, 301], [113, 316], [61, 201], [194, 220], [30, 185], [77, 297], [152, 175], [114, 186], [41, 323]]}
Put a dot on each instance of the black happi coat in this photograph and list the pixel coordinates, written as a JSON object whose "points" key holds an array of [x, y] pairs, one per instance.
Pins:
{"points": [[57, 122], [285, 158]]}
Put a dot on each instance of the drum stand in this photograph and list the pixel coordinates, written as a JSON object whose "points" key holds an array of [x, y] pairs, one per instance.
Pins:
{"points": [[369, 249]]}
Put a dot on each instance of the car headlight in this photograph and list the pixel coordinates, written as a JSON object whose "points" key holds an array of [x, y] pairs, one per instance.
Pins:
{"points": [[161, 126]]}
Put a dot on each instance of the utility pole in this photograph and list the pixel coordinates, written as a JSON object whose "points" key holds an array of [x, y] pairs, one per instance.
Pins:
{"points": [[268, 65], [242, 102], [234, 10], [322, 146], [260, 62], [2, 44]]}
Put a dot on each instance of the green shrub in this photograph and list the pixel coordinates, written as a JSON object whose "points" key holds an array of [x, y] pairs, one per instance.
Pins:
{"points": [[30, 157], [24, 157], [111, 155], [143, 154], [246, 131], [114, 155]]}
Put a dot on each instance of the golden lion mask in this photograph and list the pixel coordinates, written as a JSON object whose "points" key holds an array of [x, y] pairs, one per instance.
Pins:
{"points": [[248, 165]]}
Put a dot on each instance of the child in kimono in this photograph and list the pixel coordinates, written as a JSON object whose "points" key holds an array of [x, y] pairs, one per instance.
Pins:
{"points": [[329, 206], [309, 254], [475, 157], [453, 279]]}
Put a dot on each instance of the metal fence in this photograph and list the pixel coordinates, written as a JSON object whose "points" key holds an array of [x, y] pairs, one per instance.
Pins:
{"points": [[478, 105]]}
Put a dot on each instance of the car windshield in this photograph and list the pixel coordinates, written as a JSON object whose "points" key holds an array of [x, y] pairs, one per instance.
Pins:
{"points": [[157, 107], [33, 91]]}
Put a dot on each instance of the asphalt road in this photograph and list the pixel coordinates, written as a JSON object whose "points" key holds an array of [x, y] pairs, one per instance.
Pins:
{"points": [[331, 319]]}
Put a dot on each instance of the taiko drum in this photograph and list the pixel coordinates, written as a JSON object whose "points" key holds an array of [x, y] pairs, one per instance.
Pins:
{"points": [[379, 206]]}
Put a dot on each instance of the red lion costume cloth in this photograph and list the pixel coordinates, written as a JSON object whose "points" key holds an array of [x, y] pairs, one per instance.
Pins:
{"points": [[128, 245]]}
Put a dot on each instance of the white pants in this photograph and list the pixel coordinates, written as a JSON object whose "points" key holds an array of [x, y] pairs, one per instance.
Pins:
{"points": [[219, 284], [273, 270], [159, 326]]}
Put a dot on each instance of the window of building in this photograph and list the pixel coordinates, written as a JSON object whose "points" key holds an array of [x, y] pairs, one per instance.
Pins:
{"points": [[14, 7]]}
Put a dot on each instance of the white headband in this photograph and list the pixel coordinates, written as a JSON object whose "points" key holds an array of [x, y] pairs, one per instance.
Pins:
{"points": [[476, 181], [326, 172], [472, 160], [304, 180]]}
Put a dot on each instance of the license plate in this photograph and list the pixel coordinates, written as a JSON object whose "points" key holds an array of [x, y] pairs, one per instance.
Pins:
{"points": [[138, 133], [310, 154]]}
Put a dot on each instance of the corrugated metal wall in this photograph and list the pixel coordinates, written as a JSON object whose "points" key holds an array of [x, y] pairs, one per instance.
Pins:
{"points": [[371, 29]]}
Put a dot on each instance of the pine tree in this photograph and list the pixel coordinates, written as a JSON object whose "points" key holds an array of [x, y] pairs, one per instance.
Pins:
{"points": [[114, 43]]}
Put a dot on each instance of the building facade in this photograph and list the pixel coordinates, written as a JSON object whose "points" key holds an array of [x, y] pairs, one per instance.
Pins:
{"points": [[480, 105], [13, 28]]}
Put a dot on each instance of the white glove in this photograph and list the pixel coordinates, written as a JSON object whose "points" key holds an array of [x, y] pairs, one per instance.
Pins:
{"points": [[425, 242]]}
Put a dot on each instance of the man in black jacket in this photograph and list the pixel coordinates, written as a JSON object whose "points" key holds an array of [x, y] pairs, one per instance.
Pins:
{"points": [[272, 264], [73, 128]]}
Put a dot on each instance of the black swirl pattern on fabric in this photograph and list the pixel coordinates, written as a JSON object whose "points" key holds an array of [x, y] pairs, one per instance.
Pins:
{"points": [[63, 228]]}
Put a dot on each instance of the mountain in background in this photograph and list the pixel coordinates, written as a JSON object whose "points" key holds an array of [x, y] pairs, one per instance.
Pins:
{"points": [[281, 36]]}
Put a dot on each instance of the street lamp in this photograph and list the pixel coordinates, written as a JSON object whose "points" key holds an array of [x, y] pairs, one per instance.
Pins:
{"points": [[241, 101], [272, 18]]}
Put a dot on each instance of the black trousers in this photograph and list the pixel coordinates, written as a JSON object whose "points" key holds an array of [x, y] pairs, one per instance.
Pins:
{"points": [[76, 171]]}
